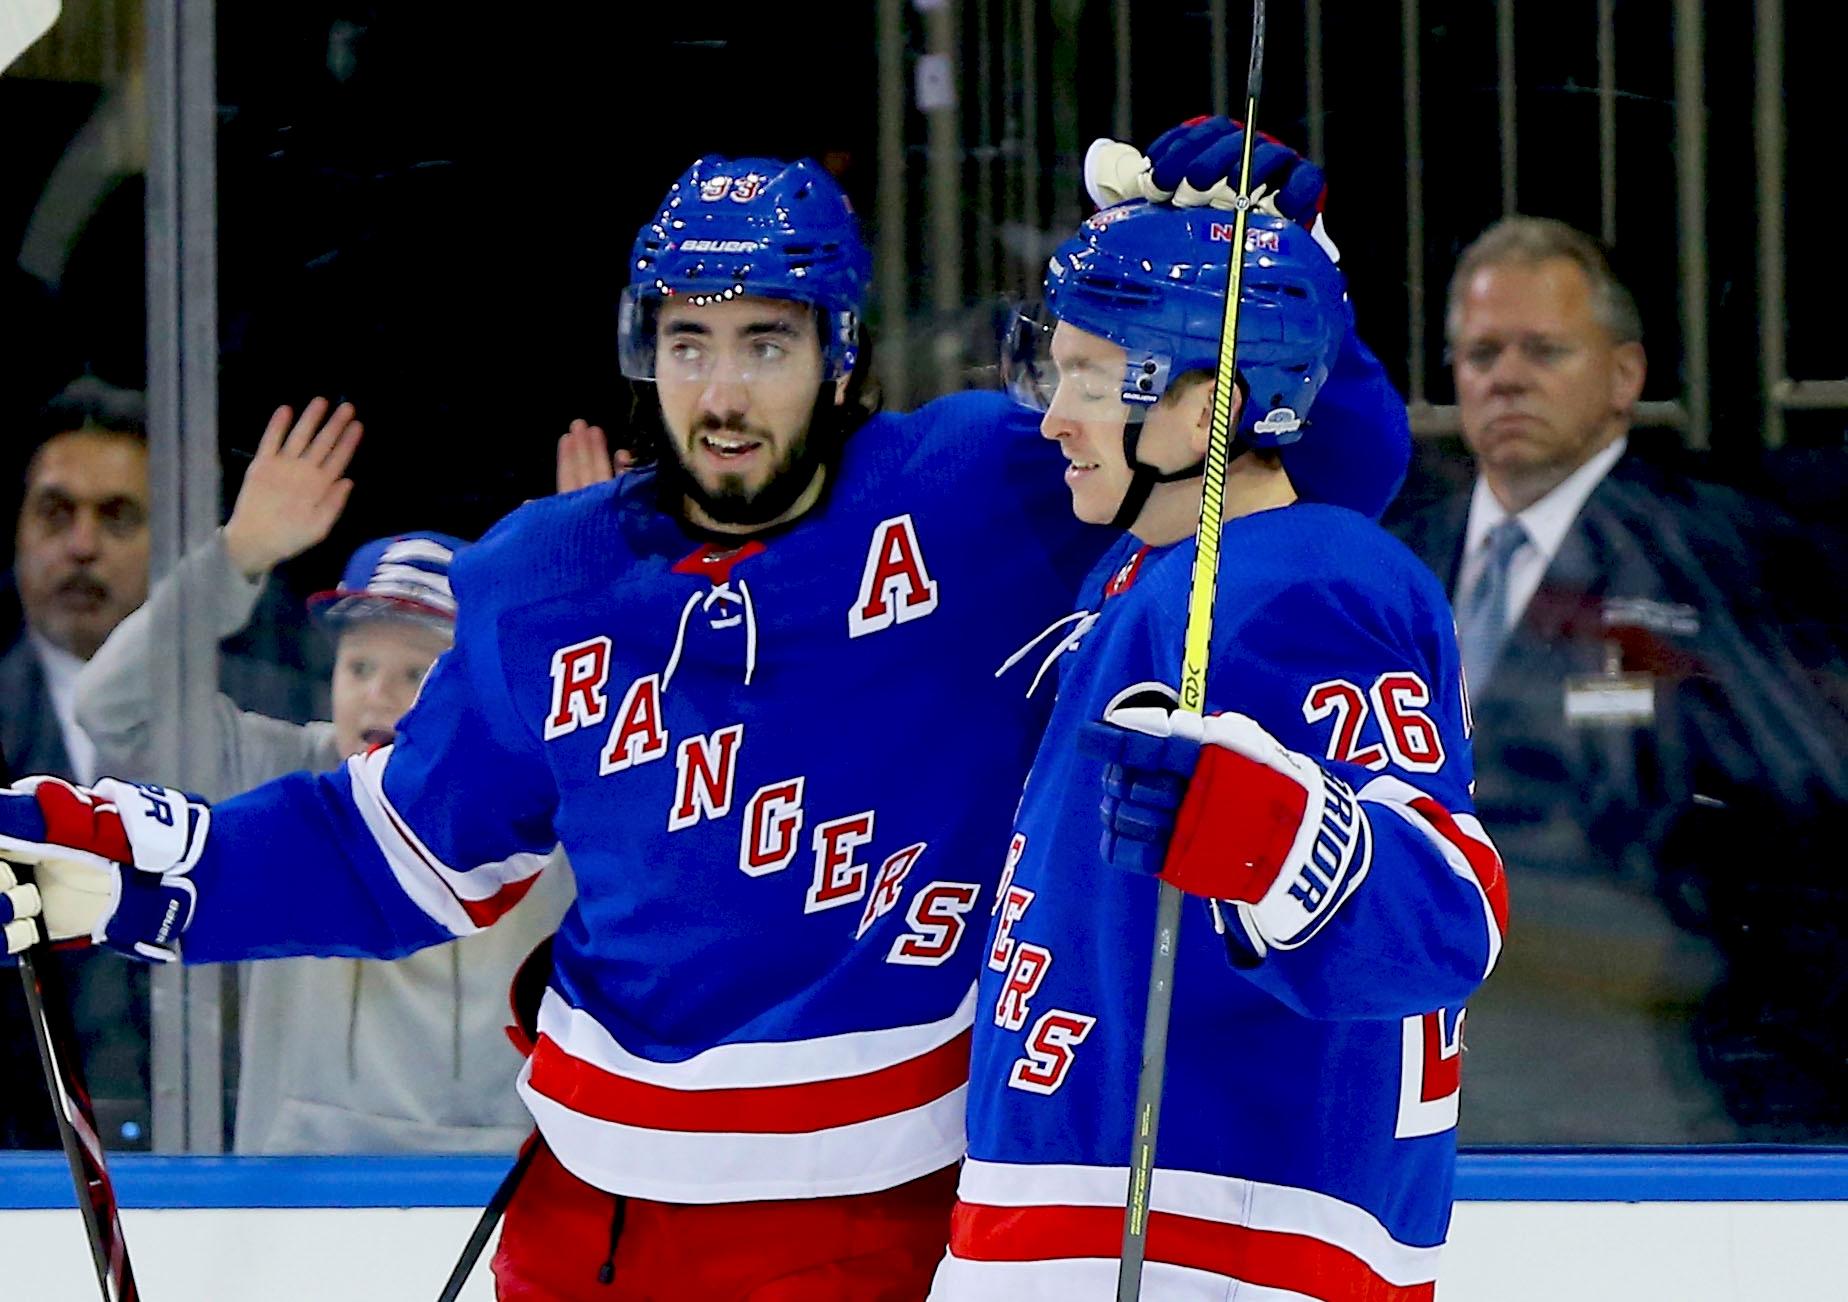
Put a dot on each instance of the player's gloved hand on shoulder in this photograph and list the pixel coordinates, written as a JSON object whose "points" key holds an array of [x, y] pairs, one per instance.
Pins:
{"points": [[1196, 165], [1220, 808], [109, 864]]}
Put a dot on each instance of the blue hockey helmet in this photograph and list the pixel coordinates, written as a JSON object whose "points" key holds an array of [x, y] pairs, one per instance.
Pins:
{"points": [[750, 227], [1152, 279]]}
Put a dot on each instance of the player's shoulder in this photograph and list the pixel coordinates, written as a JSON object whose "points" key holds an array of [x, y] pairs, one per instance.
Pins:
{"points": [[1319, 545], [1332, 567], [962, 449], [947, 434], [550, 544], [974, 412]]}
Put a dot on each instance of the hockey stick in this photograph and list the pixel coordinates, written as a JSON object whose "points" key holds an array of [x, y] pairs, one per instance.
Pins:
{"points": [[490, 1217], [56, 1036], [528, 988], [22, 23], [1195, 648]]}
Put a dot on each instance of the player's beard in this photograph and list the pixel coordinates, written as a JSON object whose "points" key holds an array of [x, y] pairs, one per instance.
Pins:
{"points": [[732, 501]]}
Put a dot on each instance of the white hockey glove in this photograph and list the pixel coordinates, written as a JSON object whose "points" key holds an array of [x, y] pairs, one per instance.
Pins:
{"points": [[110, 864]]}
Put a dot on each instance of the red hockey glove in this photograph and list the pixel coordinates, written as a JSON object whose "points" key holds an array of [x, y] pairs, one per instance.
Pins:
{"points": [[1220, 808], [110, 864]]}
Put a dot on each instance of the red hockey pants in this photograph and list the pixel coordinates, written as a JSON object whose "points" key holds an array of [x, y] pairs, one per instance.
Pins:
{"points": [[562, 1239]]}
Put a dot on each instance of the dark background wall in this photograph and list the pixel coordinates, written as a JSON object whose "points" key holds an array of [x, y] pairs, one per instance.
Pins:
{"points": [[430, 214]]}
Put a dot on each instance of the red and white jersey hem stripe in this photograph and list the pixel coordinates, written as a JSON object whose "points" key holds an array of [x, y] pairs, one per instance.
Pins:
{"points": [[758, 1063], [1090, 1277], [842, 1114], [462, 901], [1462, 841], [1017, 1223], [717, 1167]]}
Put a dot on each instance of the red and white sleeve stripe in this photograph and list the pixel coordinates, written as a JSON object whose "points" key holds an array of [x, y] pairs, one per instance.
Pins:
{"points": [[1463, 843], [462, 900]]}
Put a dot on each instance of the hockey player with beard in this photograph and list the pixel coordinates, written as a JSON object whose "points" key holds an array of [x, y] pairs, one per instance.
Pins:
{"points": [[1343, 900], [752, 693]]}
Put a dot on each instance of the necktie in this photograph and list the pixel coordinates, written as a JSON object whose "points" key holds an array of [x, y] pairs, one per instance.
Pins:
{"points": [[1482, 617]]}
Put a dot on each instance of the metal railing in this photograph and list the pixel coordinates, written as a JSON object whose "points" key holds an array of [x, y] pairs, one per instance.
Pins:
{"points": [[1015, 102], [1782, 392], [1688, 413]]}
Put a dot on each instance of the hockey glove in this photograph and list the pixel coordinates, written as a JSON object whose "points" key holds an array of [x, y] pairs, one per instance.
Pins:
{"points": [[110, 864], [1196, 164], [1221, 809]]}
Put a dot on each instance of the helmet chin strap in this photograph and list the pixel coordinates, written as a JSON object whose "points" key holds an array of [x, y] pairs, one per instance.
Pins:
{"points": [[1143, 477]]}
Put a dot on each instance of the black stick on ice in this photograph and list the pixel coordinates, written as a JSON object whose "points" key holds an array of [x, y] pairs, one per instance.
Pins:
{"points": [[56, 1037], [1193, 697]]}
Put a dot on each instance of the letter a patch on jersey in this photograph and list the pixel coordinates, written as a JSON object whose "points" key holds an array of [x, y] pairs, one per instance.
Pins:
{"points": [[638, 735], [895, 587]]}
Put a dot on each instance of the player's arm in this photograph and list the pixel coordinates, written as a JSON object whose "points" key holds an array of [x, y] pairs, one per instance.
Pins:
{"points": [[1358, 886], [1344, 893], [1358, 434], [431, 838]]}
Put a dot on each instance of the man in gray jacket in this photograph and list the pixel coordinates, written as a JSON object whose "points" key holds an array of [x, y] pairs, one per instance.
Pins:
{"points": [[337, 1055]]}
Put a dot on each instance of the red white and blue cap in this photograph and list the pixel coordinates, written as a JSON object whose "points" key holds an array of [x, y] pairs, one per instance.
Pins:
{"points": [[405, 576]]}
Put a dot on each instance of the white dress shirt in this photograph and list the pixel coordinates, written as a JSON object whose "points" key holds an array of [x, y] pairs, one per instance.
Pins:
{"points": [[1546, 523], [61, 668]]}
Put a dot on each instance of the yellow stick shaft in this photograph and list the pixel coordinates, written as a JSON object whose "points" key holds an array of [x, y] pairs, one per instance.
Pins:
{"points": [[1196, 648]]}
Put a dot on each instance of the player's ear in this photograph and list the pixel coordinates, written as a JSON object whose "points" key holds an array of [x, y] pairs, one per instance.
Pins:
{"points": [[1200, 423], [840, 391]]}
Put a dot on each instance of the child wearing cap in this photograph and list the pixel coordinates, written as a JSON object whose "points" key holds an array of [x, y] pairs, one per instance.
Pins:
{"points": [[421, 1063]]}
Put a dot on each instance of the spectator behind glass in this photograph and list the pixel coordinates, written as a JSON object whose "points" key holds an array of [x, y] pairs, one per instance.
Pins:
{"points": [[1648, 733], [80, 562], [422, 1063]]}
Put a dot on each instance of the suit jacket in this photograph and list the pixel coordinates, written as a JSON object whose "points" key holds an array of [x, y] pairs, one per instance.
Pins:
{"points": [[109, 993], [1648, 955], [29, 733]]}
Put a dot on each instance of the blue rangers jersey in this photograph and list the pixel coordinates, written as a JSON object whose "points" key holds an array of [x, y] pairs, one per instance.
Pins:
{"points": [[1308, 1128], [763, 761], [782, 771]]}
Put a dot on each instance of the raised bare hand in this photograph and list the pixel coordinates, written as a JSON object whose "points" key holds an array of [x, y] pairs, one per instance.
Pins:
{"points": [[584, 457], [294, 490]]}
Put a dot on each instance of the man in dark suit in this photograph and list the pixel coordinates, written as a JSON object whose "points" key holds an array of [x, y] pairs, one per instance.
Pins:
{"points": [[1660, 743], [80, 565], [28, 722]]}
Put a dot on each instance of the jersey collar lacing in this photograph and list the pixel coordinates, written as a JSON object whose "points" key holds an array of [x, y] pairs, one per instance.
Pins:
{"points": [[715, 563]]}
